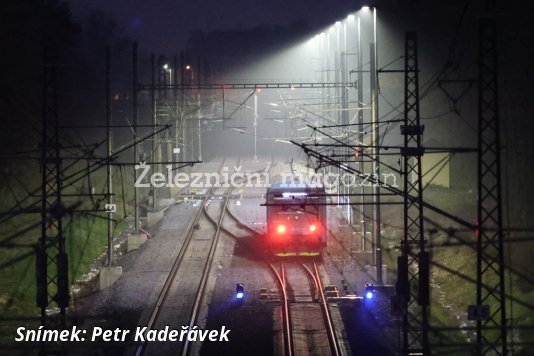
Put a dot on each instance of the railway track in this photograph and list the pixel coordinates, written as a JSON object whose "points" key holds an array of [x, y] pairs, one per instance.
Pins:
{"points": [[208, 267], [303, 331], [172, 278], [298, 337], [296, 304]]}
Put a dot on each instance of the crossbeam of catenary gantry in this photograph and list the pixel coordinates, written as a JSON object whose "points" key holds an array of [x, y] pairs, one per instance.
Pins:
{"points": [[225, 86], [332, 162]]}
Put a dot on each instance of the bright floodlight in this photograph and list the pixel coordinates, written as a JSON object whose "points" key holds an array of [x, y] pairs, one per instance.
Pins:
{"points": [[350, 17], [165, 66], [365, 7], [283, 141], [188, 67], [338, 23]]}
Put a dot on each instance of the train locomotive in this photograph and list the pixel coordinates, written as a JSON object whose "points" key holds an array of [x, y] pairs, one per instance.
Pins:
{"points": [[296, 219]]}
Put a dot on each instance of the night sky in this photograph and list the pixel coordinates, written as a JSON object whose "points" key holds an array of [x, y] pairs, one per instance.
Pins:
{"points": [[163, 26], [253, 42]]}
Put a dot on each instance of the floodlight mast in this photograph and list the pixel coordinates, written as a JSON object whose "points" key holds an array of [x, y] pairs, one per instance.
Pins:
{"points": [[376, 151], [135, 130], [375, 139], [199, 128], [360, 135], [109, 139], [255, 127]]}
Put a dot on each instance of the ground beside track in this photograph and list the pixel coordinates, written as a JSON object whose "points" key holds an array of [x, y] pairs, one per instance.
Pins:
{"points": [[368, 330]]}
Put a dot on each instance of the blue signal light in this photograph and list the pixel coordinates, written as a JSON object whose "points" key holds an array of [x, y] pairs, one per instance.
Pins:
{"points": [[369, 291], [239, 291]]}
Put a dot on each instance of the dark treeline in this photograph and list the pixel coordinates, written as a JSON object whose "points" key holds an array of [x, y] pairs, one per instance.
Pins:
{"points": [[228, 50], [28, 28], [22, 32]]}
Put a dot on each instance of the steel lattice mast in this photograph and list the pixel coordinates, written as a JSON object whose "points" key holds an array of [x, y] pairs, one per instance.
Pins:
{"points": [[491, 328], [413, 281], [51, 259]]}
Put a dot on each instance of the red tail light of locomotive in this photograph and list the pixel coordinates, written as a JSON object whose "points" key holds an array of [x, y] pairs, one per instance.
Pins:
{"points": [[281, 229], [315, 228]]}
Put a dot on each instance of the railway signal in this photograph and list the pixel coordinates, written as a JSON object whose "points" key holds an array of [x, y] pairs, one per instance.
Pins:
{"points": [[369, 291], [239, 291]]}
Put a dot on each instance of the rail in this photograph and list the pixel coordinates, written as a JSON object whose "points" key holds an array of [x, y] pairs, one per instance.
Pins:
{"points": [[140, 349]]}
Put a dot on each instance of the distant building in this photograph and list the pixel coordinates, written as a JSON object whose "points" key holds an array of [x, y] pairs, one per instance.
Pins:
{"points": [[449, 170]]}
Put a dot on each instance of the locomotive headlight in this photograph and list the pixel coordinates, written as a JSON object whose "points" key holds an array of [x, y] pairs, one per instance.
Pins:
{"points": [[313, 228], [281, 229]]}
